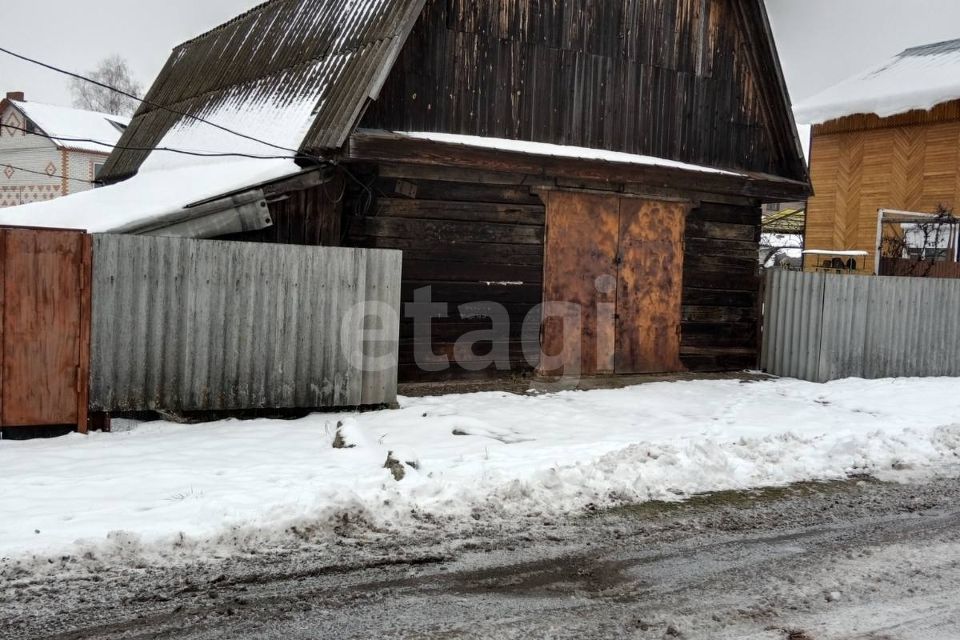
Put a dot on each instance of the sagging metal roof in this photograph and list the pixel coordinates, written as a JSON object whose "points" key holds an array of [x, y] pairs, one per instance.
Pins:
{"points": [[295, 73]]}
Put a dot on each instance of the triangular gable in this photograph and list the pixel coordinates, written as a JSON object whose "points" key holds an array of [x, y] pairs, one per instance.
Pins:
{"points": [[664, 79], [11, 115]]}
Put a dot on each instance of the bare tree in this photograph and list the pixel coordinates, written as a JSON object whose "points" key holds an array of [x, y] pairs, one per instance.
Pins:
{"points": [[113, 72]]}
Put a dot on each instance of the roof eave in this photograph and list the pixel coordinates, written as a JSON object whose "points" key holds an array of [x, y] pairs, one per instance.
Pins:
{"points": [[382, 146]]}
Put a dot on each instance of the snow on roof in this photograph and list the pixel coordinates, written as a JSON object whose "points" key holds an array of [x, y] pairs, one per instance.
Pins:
{"points": [[147, 197], [918, 78], [65, 122], [294, 73], [560, 151]]}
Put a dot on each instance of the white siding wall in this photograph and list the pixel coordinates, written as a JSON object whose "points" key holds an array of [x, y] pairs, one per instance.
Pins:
{"points": [[80, 167], [35, 153]]}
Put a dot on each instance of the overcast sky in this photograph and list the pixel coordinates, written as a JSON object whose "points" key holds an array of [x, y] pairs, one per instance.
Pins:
{"points": [[820, 41]]}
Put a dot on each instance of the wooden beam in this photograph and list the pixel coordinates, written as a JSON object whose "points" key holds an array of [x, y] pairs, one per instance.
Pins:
{"points": [[381, 146]]}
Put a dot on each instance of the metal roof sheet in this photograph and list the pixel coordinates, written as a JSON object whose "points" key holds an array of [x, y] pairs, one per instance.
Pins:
{"points": [[294, 73], [919, 78]]}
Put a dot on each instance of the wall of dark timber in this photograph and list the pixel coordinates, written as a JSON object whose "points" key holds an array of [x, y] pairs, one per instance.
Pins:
{"points": [[690, 80], [464, 240], [457, 235]]}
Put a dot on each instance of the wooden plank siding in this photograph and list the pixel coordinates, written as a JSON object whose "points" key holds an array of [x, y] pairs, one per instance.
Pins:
{"points": [[689, 80], [470, 243], [465, 238], [308, 216], [911, 164], [720, 312]]}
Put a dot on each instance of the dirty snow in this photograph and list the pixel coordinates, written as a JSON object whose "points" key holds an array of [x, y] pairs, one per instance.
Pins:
{"points": [[919, 78], [488, 455]]}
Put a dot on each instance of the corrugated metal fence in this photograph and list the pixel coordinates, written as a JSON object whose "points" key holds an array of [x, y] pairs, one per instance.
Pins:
{"points": [[823, 327], [190, 325]]}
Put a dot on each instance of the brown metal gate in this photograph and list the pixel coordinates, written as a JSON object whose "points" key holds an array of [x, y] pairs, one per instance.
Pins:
{"points": [[45, 309], [620, 260]]}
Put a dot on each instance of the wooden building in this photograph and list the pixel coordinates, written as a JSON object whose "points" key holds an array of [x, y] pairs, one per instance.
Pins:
{"points": [[888, 138], [608, 154]]}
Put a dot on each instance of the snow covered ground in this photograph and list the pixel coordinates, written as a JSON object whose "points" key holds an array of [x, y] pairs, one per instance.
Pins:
{"points": [[159, 488]]}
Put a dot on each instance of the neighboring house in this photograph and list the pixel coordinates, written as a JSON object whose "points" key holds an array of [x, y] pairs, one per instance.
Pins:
{"points": [[614, 156], [886, 139], [43, 149]]}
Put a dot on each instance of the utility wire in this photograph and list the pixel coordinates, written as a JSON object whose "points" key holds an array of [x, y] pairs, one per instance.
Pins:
{"points": [[48, 175], [142, 100], [200, 154]]}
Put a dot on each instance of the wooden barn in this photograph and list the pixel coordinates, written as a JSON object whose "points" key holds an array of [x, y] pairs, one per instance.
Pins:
{"points": [[606, 156], [886, 139]]}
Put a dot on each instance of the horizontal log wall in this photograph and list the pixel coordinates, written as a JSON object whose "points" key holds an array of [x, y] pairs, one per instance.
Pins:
{"points": [[202, 325], [309, 217], [470, 243], [721, 288]]}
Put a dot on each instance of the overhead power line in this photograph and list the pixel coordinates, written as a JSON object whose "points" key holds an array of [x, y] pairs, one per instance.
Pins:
{"points": [[149, 103]]}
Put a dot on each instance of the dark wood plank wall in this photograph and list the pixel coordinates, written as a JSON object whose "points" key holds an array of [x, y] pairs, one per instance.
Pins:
{"points": [[669, 78], [721, 287], [468, 242], [458, 234]]}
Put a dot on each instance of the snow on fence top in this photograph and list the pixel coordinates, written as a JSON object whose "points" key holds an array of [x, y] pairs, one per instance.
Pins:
{"points": [[64, 122], [919, 78]]}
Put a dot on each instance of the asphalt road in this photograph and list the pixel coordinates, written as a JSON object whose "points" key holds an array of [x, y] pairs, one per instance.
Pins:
{"points": [[853, 560]]}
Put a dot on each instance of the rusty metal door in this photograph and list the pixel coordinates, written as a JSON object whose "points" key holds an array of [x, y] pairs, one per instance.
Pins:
{"points": [[650, 288], [45, 327], [580, 269], [620, 261]]}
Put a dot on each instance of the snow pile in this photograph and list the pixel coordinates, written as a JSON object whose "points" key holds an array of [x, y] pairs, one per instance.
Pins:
{"points": [[482, 456], [917, 79], [64, 122]]}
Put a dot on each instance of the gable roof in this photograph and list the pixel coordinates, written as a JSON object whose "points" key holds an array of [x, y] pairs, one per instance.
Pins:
{"points": [[299, 74], [919, 78], [65, 122], [295, 73]]}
